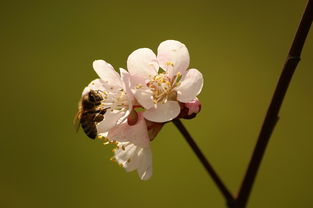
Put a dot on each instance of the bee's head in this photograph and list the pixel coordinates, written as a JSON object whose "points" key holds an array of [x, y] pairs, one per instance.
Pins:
{"points": [[94, 97]]}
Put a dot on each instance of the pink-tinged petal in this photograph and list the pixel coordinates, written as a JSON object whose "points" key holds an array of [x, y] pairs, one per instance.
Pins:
{"points": [[125, 76], [136, 134], [98, 84], [107, 73], [191, 85], [137, 81], [86, 90], [110, 120], [144, 97], [133, 157], [173, 57], [128, 156], [193, 106], [142, 62], [145, 168], [163, 112]]}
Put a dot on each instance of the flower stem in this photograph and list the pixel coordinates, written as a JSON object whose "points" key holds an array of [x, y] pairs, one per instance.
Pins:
{"points": [[273, 110], [228, 196]]}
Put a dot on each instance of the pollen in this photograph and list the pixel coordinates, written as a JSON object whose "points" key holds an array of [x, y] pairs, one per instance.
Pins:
{"points": [[138, 86], [114, 100], [169, 63], [161, 86]]}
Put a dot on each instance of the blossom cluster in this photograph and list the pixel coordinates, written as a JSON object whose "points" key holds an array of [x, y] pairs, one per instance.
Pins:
{"points": [[154, 89]]}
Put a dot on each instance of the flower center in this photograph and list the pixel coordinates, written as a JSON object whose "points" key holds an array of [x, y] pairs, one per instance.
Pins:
{"points": [[162, 86], [114, 100]]}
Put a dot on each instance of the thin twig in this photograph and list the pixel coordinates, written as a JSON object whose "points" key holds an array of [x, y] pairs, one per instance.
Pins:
{"points": [[273, 110], [228, 196]]}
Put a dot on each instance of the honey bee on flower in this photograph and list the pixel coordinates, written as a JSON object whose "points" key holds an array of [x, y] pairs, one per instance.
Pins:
{"points": [[128, 109]]}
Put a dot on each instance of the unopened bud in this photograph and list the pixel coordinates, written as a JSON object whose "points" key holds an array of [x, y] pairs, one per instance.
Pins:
{"points": [[191, 109], [194, 106]]}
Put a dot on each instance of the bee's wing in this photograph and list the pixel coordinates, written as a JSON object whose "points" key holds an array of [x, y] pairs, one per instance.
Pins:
{"points": [[76, 121]]}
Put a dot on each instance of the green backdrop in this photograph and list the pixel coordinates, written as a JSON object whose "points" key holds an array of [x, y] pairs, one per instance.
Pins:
{"points": [[47, 50]]}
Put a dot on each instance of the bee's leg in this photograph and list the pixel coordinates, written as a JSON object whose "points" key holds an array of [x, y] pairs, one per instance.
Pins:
{"points": [[103, 111], [91, 112], [98, 118]]}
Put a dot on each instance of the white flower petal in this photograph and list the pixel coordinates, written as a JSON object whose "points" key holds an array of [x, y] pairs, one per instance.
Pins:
{"points": [[96, 84], [134, 157], [109, 121], [134, 162], [107, 73], [136, 134], [125, 76], [142, 62], [144, 97], [191, 85], [86, 90], [128, 156], [145, 167], [163, 112], [173, 57]]}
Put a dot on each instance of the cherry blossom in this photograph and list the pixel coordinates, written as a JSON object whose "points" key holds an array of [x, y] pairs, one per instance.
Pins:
{"points": [[137, 103], [159, 91], [116, 98], [132, 150]]}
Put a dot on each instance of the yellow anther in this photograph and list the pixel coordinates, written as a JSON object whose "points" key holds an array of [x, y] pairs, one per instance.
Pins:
{"points": [[113, 159], [129, 160], [138, 86], [123, 147], [169, 63], [121, 165]]}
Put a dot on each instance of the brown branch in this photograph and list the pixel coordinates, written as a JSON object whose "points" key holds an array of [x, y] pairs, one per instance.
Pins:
{"points": [[273, 110], [228, 196]]}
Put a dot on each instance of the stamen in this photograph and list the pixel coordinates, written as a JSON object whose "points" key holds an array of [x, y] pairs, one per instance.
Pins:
{"points": [[162, 86], [170, 64], [138, 86]]}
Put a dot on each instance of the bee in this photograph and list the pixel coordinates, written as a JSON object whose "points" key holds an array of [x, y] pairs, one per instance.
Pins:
{"points": [[89, 113]]}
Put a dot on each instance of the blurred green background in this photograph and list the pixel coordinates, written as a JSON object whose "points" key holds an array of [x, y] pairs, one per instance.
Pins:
{"points": [[47, 50]]}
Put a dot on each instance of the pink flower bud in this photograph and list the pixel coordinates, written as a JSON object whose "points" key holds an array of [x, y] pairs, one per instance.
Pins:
{"points": [[194, 106], [190, 110]]}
